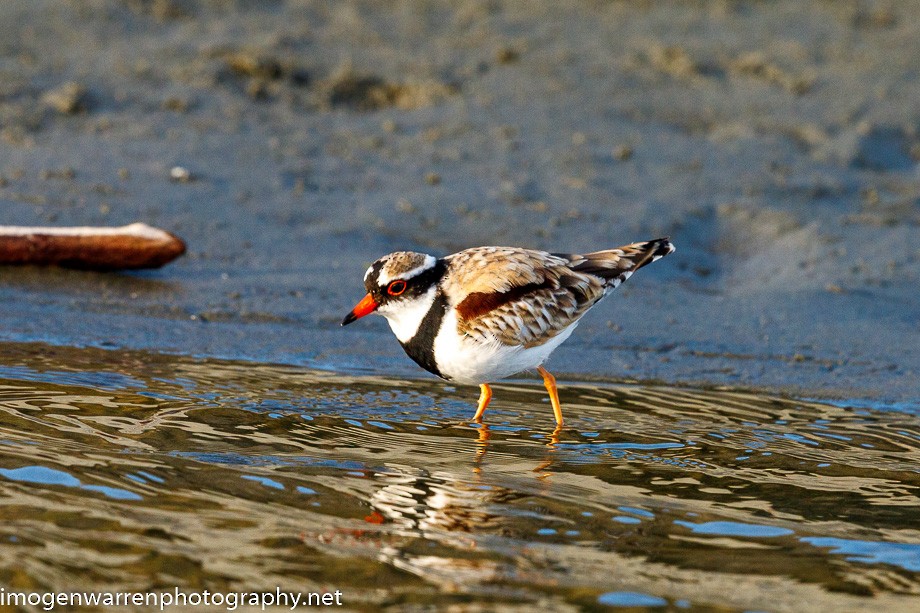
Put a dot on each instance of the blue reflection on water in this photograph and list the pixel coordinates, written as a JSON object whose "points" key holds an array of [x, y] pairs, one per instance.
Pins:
{"points": [[631, 599], [838, 437], [265, 481], [51, 476], [113, 492], [623, 519], [903, 555], [40, 474], [97, 380], [598, 447], [731, 528], [380, 424], [271, 460], [801, 439], [150, 477], [646, 445], [635, 511], [501, 428]]}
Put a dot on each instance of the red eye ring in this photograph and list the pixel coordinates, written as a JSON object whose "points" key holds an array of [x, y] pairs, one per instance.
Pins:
{"points": [[396, 288]]}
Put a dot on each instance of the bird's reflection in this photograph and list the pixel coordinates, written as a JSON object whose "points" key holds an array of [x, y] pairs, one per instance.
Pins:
{"points": [[482, 445], [426, 502], [439, 507], [554, 437], [483, 441], [442, 507]]}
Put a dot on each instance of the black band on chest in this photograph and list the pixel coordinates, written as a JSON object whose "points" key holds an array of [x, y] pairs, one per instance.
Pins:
{"points": [[421, 346]]}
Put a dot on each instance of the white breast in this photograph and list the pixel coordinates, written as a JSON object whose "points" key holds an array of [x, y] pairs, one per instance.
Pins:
{"points": [[472, 362]]}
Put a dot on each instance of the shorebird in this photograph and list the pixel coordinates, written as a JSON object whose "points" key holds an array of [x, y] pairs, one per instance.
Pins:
{"points": [[488, 313]]}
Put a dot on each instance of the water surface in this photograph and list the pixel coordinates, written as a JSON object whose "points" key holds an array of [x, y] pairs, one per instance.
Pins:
{"points": [[140, 471]]}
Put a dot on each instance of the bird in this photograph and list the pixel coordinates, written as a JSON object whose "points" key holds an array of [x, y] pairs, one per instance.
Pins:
{"points": [[487, 313]]}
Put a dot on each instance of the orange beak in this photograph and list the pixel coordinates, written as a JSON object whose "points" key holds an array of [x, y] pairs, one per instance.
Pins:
{"points": [[365, 307]]}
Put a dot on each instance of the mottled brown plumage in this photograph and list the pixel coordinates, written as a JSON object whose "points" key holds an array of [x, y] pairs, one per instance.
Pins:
{"points": [[523, 297]]}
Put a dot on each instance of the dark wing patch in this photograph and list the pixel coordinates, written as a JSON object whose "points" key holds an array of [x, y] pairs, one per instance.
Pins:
{"points": [[531, 314], [477, 304]]}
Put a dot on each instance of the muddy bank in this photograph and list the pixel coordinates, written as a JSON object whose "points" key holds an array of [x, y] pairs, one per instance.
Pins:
{"points": [[776, 143]]}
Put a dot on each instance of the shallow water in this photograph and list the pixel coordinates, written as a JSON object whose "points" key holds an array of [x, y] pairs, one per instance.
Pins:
{"points": [[123, 470]]}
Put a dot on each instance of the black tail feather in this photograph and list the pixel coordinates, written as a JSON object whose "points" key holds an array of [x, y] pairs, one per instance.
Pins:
{"points": [[614, 265]]}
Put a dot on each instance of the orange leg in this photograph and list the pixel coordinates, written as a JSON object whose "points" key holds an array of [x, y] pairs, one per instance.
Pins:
{"points": [[485, 395], [550, 382]]}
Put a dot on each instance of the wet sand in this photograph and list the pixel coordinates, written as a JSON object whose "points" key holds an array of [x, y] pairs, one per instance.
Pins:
{"points": [[776, 143]]}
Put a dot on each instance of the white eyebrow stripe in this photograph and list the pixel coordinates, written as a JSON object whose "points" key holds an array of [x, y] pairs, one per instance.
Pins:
{"points": [[428, 264]]}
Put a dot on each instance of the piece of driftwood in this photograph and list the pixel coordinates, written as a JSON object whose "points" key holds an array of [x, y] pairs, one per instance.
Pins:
{"points": [[129, 247]]}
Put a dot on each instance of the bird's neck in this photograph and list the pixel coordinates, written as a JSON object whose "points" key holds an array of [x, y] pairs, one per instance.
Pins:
{"points": [[406, 320]]}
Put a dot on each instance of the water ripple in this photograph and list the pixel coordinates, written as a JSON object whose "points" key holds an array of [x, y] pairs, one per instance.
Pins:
{"points": [[258, 476]]}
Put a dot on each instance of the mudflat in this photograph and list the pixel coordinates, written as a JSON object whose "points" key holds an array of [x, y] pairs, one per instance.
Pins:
{"points": [[292, 143]]}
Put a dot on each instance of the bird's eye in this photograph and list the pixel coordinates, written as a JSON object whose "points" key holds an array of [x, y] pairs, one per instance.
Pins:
{"points": [[396, 288]]}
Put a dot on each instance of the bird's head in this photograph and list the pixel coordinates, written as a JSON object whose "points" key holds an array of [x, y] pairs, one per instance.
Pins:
{"points": [[400, 286]]}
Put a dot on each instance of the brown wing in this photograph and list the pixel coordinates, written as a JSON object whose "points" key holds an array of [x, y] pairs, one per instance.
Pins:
{"points": [[525, 297], [518, 296]]}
